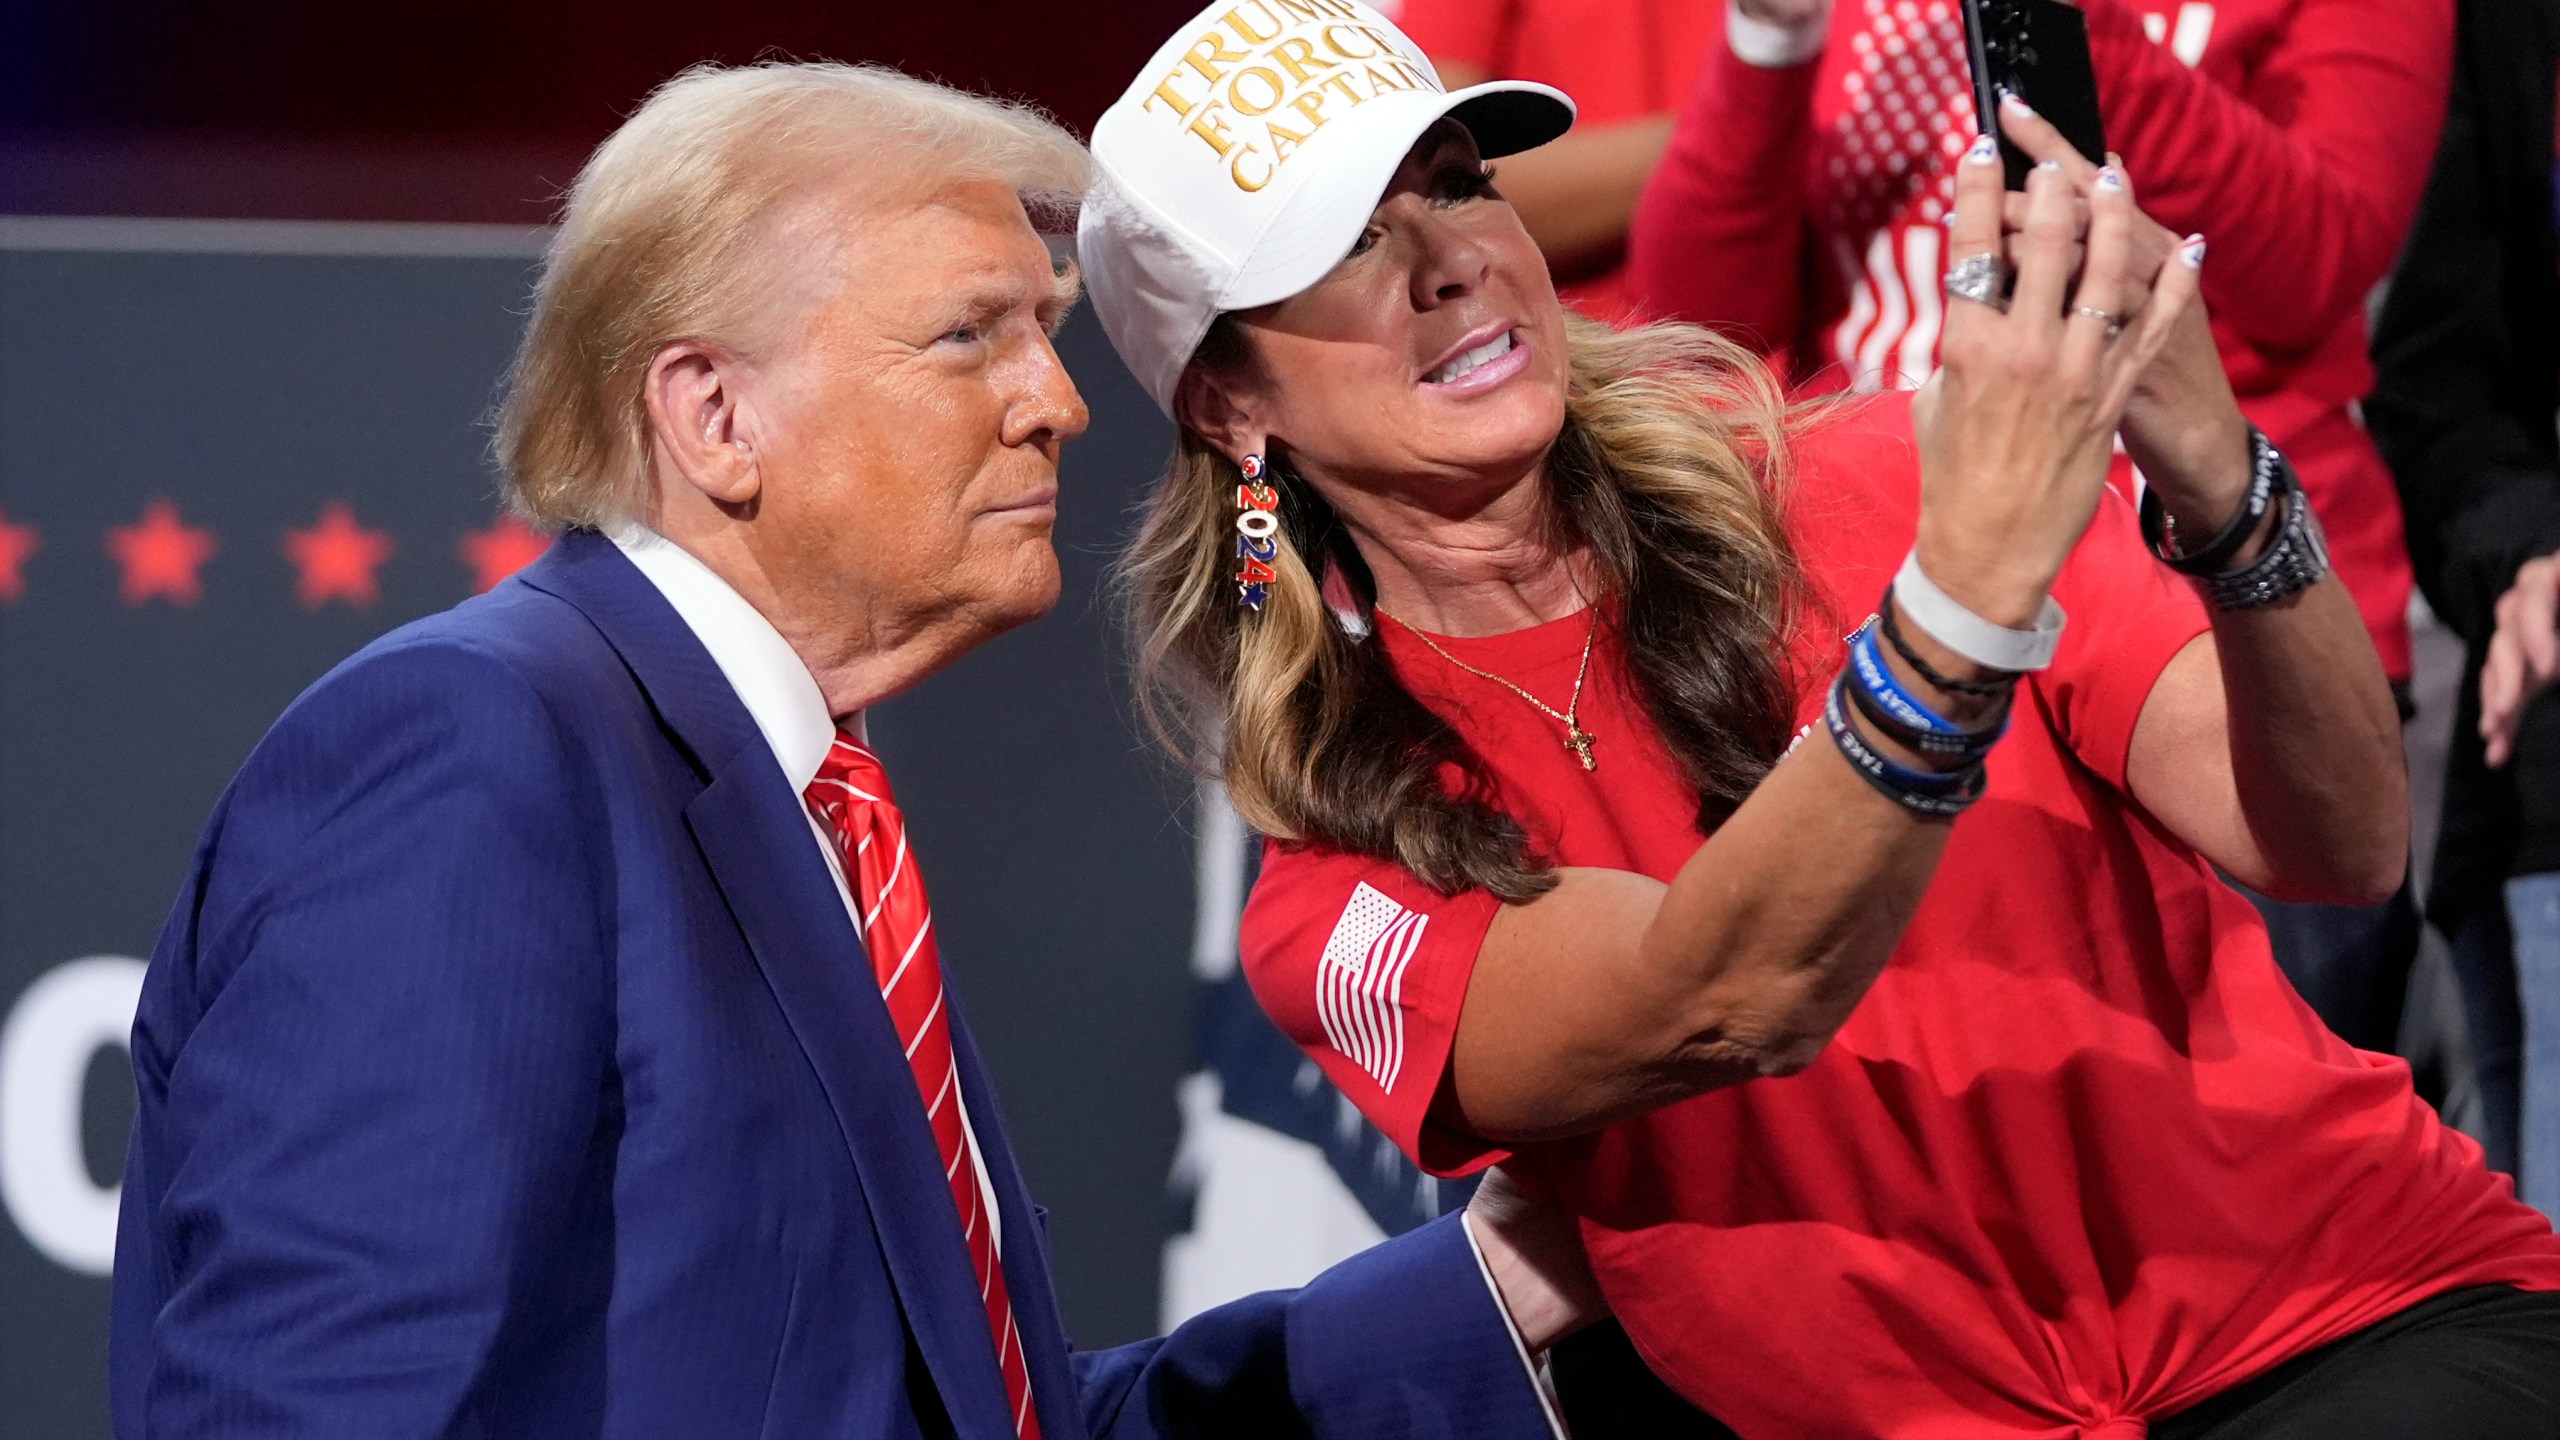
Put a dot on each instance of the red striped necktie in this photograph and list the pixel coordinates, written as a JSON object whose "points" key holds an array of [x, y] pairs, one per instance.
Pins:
{"points": [[852, 802]]}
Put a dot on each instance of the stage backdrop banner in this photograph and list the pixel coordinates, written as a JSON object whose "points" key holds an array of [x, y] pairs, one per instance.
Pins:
{"points": [[232, 454]]}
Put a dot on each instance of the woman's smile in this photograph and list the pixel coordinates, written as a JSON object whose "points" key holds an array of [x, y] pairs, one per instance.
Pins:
{"points": [[1480, 362]]}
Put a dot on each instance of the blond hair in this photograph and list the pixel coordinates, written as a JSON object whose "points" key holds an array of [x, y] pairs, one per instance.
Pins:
{"points": [[1668, 470], [660, 241]]}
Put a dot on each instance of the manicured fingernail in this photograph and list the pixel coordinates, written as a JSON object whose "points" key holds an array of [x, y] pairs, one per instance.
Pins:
{"points": [[2009, 101], [2052, 165], [2110, 180], [1984, 151], [2191, 254]]}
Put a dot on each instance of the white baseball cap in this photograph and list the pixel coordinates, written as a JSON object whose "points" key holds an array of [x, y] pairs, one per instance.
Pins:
{"points": [[1246, 158]]}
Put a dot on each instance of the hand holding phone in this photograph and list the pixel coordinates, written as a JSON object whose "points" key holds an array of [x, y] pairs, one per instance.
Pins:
{"points": [[2037, 50]]}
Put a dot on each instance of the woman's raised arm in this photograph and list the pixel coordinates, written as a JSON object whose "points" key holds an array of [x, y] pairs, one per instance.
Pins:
{"points": [[1755, 953], [2272, 745]]}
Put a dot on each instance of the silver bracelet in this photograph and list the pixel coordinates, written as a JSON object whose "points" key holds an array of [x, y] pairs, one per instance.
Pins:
{"points": [[2294, 561], [1994, 647]]}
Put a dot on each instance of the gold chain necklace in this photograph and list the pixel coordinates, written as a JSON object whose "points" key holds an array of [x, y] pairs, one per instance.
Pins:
{"points": [[1576, 739]]}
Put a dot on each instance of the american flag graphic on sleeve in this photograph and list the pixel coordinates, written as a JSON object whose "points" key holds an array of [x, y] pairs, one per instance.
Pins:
{"points": [[1360, 982]]}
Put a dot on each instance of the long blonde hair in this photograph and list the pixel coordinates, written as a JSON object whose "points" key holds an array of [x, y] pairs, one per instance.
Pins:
{"points": [[1669, 471]]}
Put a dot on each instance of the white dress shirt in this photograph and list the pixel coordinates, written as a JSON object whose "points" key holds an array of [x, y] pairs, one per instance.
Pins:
{"points": [[782, 697]]}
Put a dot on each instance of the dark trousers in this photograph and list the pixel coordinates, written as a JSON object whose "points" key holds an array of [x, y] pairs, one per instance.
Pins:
{"points": [[2484, 965], [2351, 962], [2476, 1364], [2481, 1363]]}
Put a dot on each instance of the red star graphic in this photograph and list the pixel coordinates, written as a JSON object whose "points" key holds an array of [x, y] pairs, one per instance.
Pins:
{"points": [[507, 546], [337, 558], [161, 555], [17, 542]]}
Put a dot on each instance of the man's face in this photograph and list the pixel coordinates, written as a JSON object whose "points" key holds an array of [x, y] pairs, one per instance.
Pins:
{"points": [[909, 470]]}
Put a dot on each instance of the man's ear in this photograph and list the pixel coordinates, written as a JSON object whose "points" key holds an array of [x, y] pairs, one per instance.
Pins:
{"points": [[1216, 413], [698, 421]]}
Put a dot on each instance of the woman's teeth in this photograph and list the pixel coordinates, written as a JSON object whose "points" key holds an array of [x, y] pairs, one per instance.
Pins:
{"points": [[1460, 368]]}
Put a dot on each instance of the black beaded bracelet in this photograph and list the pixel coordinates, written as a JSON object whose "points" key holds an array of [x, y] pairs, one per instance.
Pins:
{"points": [[1994, 689], [2269, 472], [2294, 561]]}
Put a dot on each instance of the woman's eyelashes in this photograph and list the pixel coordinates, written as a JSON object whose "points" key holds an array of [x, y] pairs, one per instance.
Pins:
{"points": [[1451, 186], [1458, 184]]}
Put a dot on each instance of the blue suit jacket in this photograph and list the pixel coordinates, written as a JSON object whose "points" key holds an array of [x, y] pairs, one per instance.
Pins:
{"points": [[509, 1068]]}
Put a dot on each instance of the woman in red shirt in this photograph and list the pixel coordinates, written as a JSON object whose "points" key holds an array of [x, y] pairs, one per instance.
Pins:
{"points": [[1875, 1125]]}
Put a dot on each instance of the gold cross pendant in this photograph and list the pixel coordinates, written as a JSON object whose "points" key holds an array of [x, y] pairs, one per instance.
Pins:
{"points": [[1580, 741]]}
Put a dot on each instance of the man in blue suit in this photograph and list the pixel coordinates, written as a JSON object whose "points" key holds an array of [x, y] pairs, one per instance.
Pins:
{"points": [[514, 1064]]}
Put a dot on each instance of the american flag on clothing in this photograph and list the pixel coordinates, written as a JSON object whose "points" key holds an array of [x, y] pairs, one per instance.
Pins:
{"points": [[1279, 1175], [1360, 982]]}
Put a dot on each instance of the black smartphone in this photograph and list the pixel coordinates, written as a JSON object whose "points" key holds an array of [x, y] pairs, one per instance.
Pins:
{"points": [[2037, 50]]}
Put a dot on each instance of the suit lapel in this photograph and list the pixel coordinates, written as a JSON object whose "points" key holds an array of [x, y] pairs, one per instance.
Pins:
{"points": [[756, 840]]}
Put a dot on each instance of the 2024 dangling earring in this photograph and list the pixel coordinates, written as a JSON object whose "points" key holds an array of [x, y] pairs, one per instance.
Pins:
{"points": [[1257, 534]]}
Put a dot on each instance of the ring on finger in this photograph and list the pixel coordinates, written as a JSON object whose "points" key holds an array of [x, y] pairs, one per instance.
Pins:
{"points": [[2113, 321], [1982, 279]]}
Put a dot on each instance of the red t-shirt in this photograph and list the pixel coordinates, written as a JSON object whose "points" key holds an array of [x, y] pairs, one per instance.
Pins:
{"points": [[1618, 59], [1799, 208], [2081, 1155]]}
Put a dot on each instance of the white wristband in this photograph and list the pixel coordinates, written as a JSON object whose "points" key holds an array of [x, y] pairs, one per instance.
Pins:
{"points": [[1995, 647], [1775, 47]]}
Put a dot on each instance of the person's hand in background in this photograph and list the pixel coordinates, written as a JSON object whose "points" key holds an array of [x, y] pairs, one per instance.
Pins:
{"points": [[2524, 653], [1788, 13]]}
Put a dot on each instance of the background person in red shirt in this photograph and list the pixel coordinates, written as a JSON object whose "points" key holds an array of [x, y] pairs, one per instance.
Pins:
{"points": [[1799, 209], [1628, 64], [1524, 632]]}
